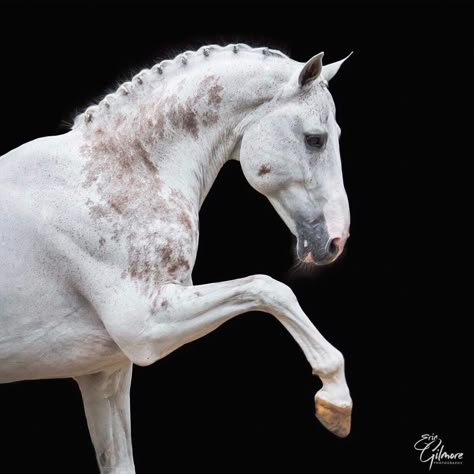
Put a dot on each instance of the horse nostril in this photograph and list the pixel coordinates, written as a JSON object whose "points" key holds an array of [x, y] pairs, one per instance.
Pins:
{"points": [[333, 247]]}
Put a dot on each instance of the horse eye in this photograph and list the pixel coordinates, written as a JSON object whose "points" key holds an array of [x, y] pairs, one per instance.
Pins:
{"points": [[317, 140]]}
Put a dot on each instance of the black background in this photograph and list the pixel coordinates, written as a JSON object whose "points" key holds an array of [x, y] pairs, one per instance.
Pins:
{"points": [[242, 397]]}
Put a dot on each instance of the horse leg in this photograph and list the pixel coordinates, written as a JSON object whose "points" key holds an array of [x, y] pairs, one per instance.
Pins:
{"points": [[106, 397], [189, 312]]}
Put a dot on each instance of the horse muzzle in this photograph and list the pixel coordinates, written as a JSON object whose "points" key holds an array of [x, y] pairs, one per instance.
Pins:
{"points": [[315, 246]]}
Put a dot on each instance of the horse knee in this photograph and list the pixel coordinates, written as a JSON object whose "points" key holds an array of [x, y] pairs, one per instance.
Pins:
{"points": [[272, 293]]}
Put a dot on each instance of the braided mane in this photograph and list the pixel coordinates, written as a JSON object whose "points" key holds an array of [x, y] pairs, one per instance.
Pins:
{"points": [[157, 73]]}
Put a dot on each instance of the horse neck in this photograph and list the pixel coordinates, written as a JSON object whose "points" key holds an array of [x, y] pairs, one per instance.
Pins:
{"points": [[190, 123]]}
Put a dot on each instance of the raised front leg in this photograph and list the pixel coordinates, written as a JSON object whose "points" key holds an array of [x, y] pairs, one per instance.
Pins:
{"points": [[106, 397], [180, 314]]}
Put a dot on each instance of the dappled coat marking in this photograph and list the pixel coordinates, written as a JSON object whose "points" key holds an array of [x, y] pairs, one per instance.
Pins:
{"points": [[131, 194]]}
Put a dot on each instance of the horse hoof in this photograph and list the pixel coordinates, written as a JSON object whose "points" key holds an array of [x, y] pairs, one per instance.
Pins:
{"points": [[337, 419]]}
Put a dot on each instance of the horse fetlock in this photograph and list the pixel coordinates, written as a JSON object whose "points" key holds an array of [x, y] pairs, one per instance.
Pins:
{"points": [[330, 365], [333, 402], [335, 389]]}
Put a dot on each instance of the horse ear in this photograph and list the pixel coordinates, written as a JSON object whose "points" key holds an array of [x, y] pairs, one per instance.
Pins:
{"points": [[311, 70], [330, 70]]}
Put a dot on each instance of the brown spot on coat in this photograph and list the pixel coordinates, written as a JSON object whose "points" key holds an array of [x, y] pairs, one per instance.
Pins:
{"points": [[183, 115], [179, 263], [185, 220], [166, 254], [214, 96], [264, 169]]}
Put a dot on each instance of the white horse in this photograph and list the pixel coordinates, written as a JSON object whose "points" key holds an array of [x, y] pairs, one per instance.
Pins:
{"points": [[99, 226]]}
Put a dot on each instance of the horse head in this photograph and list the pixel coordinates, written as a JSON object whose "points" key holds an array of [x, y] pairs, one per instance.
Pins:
{"points": [[291, 155]]}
